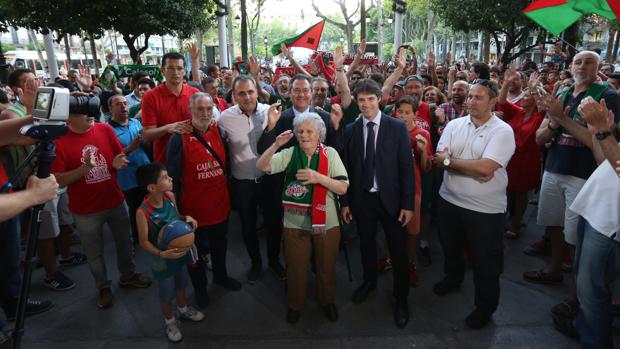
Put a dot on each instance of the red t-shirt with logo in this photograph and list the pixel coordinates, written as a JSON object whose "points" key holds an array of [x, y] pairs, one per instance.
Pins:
{"points": [[3, 177], [205, 194], [98, 190], [161, 107]]}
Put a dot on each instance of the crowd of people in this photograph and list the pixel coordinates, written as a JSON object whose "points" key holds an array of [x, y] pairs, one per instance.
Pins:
{"points": [[454, 146]]}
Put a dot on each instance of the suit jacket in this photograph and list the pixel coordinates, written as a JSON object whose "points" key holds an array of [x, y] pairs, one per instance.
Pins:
{"points": [[393, 165], [333, 138]]}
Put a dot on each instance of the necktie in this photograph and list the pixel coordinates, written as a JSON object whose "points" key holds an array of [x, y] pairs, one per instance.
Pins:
{"points": [[369, 159]]}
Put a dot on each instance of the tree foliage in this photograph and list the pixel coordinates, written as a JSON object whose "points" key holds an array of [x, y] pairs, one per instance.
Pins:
{"points": [[501, 18], [130, 19]]}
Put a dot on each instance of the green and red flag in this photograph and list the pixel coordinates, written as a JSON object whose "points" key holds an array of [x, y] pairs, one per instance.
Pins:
{"points": [[309, 39], [557, 15]]}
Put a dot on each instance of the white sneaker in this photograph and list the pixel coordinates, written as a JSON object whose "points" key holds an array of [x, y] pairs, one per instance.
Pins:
{"points": [[191, 314], [173, 332]]}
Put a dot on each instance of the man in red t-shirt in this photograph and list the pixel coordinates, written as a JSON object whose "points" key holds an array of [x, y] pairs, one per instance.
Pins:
{"points": [[87, 158], [199, 173], [165, 109]]}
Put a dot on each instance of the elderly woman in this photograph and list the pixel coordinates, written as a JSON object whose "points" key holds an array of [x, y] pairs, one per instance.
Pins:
{"points": [[314, 176], [197, 163], [432, 95]]}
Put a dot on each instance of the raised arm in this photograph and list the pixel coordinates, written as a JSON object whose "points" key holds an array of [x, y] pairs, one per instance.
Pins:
{"points": [[294, 63], [254, 70], [341, 79], [361, 50], [194, 55], [393, 78]]}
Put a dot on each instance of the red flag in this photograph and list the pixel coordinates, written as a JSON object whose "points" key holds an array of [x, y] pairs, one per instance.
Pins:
{"points": [[309, 39]]}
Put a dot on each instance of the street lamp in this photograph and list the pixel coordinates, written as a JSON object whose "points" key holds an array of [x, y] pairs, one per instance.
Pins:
{"points": [[266, 41]]}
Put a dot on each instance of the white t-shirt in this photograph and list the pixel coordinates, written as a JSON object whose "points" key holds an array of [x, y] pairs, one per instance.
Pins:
{"points": [[599, 201], [494, 140]]}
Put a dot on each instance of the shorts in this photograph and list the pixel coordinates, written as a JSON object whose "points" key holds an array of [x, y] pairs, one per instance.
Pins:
{"points": [[168, 287], [427, 193], [557, 193], [65, 217], [49, 228], [413, 227]]}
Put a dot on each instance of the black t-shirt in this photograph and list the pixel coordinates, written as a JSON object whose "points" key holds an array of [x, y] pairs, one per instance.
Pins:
{"points": [[567, 155]]}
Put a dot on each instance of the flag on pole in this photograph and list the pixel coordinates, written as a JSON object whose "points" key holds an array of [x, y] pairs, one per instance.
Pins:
{"points": [[609, 9], [309, 39], [557, 15], [553, 15]]}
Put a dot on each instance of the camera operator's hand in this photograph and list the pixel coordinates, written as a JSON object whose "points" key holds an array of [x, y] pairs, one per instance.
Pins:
{"points": [[181, 127], [120, 161], [42, 190]]}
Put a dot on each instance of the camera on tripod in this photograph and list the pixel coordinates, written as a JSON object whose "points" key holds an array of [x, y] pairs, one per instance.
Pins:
{"points": [[53, 105]]}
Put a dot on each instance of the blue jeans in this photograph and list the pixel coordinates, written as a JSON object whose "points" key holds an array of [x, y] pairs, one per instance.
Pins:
{"points": [[169, 286], [598, 265], [10, 276]]}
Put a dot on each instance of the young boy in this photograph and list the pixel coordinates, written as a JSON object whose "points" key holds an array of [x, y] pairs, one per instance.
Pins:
{"points": [[168, 266], [406, 110]]}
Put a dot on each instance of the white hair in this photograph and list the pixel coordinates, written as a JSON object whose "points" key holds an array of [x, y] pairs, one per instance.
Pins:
{"points": [[313, 118], [197, 96]]}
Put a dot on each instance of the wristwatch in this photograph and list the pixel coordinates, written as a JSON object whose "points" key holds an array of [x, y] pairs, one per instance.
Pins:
{"points": [[602, 135], [446, 161]]}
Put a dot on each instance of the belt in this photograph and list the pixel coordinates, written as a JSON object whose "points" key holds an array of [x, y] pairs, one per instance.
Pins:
{"points": [[253, 180]]}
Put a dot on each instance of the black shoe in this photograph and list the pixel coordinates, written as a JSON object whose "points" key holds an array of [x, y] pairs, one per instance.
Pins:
{"points": [[424, 258], [565, 326], [278, 270], [228, 283], [292, 316], [444, 286], [331, 312], [253, 274], [32, 307], [478, 319], [362, 292], [401, 315]]}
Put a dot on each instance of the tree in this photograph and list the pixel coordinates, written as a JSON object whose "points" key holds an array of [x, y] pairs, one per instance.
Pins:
{"points": [[502, 18], [244, 30], [158, 17], [142, 18], [254, 22], [348, 25]]}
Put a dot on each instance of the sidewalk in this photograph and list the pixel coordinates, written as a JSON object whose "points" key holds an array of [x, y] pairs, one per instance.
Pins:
{"points": [[255, 316]]}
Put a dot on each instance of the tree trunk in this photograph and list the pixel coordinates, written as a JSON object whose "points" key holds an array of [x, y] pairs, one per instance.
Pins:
{"points": [[135, 52], [229, 28], [363, 21], [33, 39], [571, 36], [429, 29], [67, 53], [615, 53], [486, 46], [93, 52], [244, 30], [349, 31], [380, 28], [199, 37], [610, 43], [466, 41]]}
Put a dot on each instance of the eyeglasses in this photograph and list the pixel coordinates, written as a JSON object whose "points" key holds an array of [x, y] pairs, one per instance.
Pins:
{"points": [[488, 84]]}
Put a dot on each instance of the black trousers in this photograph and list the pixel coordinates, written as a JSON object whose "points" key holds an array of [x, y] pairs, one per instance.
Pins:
{"points": [[484, 234], [367, 216], [213, 238], [133, 198], [248, 195]]}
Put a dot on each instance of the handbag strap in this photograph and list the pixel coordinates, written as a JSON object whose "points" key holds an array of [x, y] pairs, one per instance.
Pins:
{"points": [[209, 149]]}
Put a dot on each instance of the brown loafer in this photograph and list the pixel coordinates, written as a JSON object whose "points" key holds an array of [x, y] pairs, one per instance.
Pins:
{"points": [[104, 298]]}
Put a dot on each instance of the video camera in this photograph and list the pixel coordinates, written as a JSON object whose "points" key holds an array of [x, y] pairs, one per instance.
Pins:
{"points": [[53, 105]]}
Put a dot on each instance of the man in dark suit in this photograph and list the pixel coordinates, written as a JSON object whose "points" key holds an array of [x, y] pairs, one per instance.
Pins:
{"points": [[301, 95], [377, 155]]}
